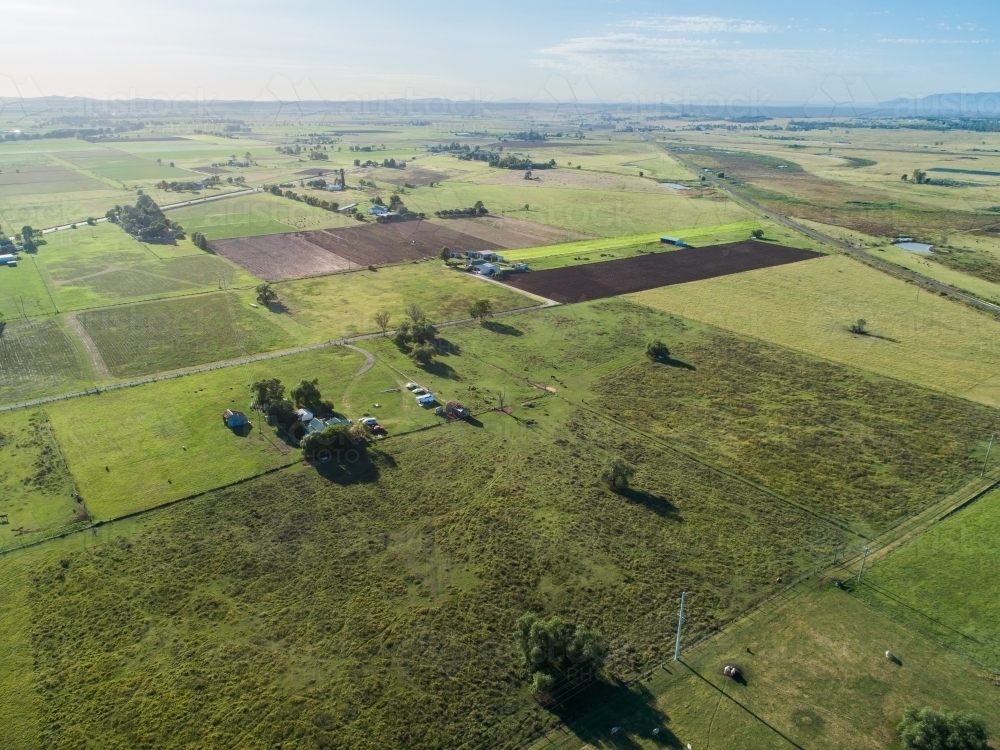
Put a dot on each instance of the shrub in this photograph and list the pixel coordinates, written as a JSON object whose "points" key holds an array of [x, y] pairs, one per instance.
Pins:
{"points": [[859, 327], [657, 350]]}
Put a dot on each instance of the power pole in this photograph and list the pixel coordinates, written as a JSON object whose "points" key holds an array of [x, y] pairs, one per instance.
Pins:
{"points": [[988, 454], [680, 625], [863, 559]]}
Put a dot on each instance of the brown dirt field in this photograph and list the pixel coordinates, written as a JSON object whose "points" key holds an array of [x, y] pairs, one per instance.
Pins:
{"points": [[381, 244], [419, 176], [277, 257], [210, 170], [510, 233], [319, 172], [611, 278]]}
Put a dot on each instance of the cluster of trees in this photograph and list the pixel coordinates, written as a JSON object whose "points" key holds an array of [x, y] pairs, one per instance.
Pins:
{"points": [[199, 240], [389, 163], [508, 161], [366, 149], [310, 200], [289, 150], [927, 729], [28, 241], [453, 146], [319, 156], [531, 135], [189, 184], [919, 176], [82, 133], [555, 651], [415, 334], [240, 180], [454, 213], [145, 220]]}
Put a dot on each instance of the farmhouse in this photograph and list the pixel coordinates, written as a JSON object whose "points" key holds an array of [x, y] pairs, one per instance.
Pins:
{"points": [[234, 419], [487, 255], [304, 415], [378, 211], [487, 269], [334, 188]]}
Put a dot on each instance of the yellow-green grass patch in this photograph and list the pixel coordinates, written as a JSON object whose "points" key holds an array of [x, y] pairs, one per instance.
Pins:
{"points": [[256, 214], [36, 489], [150, 337], [94, 266], [330, 307], [38, 358], [914, 335]]}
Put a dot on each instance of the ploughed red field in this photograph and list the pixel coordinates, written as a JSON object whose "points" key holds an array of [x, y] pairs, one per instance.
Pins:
{"points": [[613, 277]]}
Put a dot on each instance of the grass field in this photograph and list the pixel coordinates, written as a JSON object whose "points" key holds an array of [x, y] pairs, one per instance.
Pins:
{"points": [[917, 336], [329, 307], [38, 358], [817, 677], [150, 337], [36, 489], [369, 599], [256, 214], [173, 443], [99, 266], [945, 583]]}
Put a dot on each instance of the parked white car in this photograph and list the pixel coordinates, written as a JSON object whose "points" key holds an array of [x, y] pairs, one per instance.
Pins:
{"points": [[369, 421], [411, 386]]}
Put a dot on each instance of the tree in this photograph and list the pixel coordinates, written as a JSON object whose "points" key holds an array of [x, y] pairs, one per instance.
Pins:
{"points": [[423, 354], [422, 331], [360, 432], [860, 327], [414, 312], [266, 294], [378, 201], [550, 647], [757, 234], [382, 319], [480, 209], [919, 176], [927, 729], [306, 395], [657, 350], [396, 203], [402, 336], [282, 412], [266, 392], [481, 309], [502, 399], [618, 474], [27, 233], [445, 254]]}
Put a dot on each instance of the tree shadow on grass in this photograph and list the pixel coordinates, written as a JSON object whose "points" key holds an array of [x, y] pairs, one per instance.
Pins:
{"points": [[441, 370], [350, 466], [3, 325], [671, 362], [661, 506], [278, 307], [502, 328], [604, 705]]}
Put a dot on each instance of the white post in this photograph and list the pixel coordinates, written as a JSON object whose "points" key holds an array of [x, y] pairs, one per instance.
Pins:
{"points": [[860, 572], [988, 454], [680, 624]]}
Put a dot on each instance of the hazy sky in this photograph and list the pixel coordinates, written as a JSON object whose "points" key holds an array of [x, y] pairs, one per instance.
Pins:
{"points": [[610, 51]]}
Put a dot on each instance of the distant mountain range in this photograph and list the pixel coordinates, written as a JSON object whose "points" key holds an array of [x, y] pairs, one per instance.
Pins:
{"points": [[829, 102]]}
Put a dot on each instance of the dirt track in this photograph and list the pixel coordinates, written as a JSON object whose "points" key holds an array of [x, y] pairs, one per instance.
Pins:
{"points": [[614, 277]]}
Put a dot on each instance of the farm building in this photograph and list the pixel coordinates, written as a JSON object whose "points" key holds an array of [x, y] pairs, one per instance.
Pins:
{"points": [[348, 207], [304, 415], [8, 260], [487, 255], [334, 188], [234, 419], [672, 241], [488, 269], [318, 425], [457, 254], [378, 211]]}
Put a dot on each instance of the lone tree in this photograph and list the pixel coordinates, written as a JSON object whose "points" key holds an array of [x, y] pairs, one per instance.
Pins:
{"points": [[551, 648], [657, 350], [266, 294], [382, 319], [757, 234], [267, 392], [618, 474], [414, 312], [927, 729], [481, 310], [445, 254], [860, 327]]}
